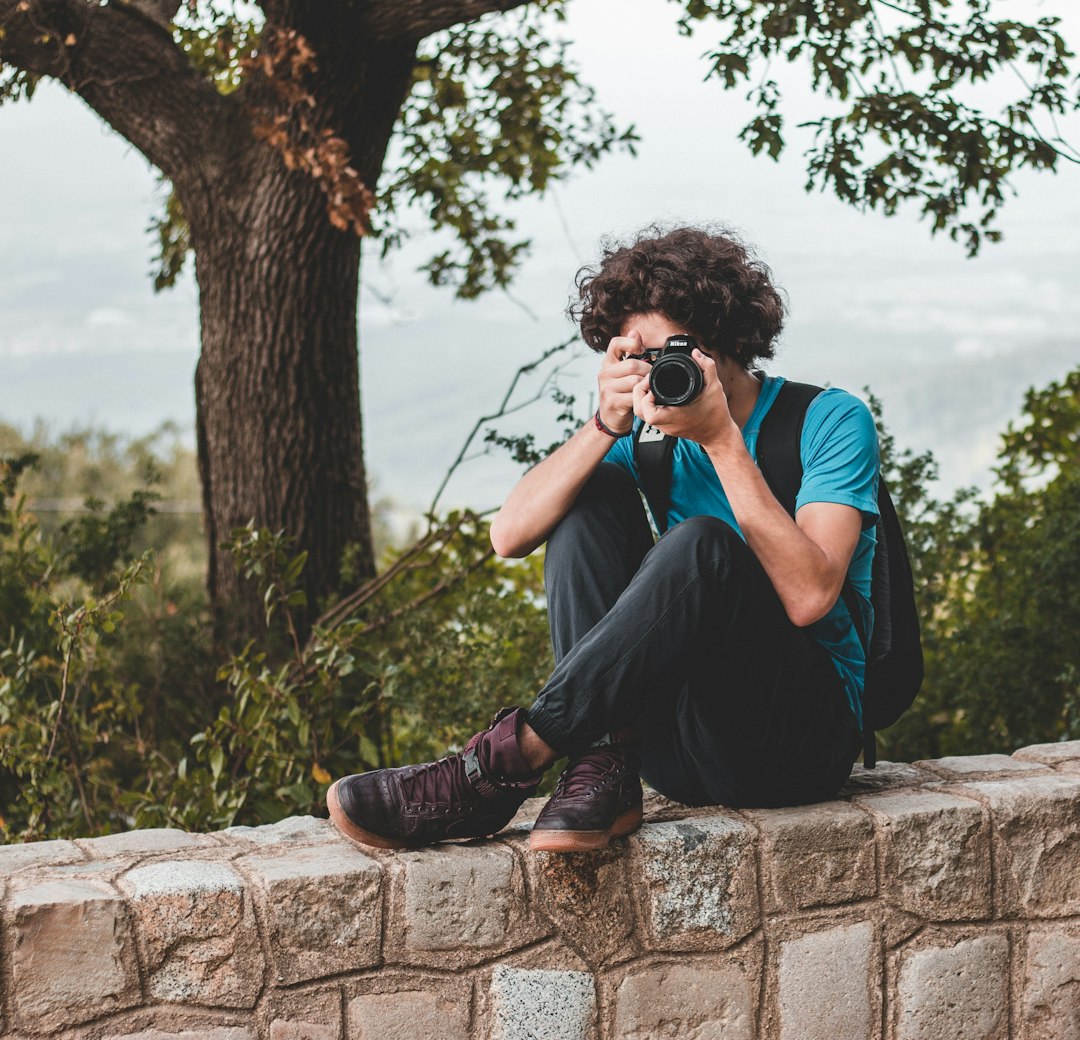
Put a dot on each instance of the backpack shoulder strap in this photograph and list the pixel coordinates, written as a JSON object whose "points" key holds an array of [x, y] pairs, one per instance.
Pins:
{"points": [[778, 455], [653, 453]]}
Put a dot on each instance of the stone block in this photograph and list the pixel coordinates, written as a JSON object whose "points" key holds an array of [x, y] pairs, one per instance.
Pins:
{"points": [[407, 1014], [824, 982], [970, 766], [323, 908], [1050, 1002], [299, 1013], [816, 855], [588, 898], [1037, 836], [38, 854], [293, 830], [935, 853], [148, 841], [199, 938], [687, 999], [698, 882], [1050, 754], [74, 954], [528, 1003], [885, 776], [458, 897], [282, 1030], [954, 991], [202, 1033]]}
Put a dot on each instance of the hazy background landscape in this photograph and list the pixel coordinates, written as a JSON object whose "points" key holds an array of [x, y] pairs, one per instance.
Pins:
{"points": [[950, 344]]}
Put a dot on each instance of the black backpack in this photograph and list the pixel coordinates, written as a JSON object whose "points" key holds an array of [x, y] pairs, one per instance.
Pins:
{"points": [[894, 662]]}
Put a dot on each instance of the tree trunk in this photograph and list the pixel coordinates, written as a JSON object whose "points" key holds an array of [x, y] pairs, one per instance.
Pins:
{"points": [[277, 384]]}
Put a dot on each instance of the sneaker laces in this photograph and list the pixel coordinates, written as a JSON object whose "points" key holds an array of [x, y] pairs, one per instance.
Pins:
{"points": [[593, 766], [439, 783]]}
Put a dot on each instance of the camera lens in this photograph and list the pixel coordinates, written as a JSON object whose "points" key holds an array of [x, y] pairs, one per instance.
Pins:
{"points": [[675, 379]]}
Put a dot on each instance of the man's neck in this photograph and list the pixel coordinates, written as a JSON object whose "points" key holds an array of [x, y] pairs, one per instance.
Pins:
{"points": [[742, 389]]}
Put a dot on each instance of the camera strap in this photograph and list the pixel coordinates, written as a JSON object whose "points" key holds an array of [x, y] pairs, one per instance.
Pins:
{"points": [[653, 453]]}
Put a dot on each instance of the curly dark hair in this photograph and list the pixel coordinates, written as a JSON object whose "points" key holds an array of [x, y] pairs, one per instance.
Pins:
{"points": [[707, 281]]}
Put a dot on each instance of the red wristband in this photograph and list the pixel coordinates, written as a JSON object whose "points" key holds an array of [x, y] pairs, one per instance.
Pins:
{"points": [[604, 429]]}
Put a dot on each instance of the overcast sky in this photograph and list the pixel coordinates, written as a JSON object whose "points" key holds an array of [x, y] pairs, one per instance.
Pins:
{"points": [[948, 343]]}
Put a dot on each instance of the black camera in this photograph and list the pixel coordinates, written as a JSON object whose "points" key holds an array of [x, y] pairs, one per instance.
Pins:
{"points": [[675, 377]]}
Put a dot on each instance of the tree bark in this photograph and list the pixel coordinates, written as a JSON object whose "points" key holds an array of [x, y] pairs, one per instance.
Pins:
{"points": [[277, 384]]}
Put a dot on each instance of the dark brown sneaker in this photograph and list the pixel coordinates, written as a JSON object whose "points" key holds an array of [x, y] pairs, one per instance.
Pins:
{"points": [[597, 798], [471, 794]]}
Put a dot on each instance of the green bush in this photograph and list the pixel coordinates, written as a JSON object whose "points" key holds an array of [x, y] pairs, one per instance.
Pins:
{"points": [[996, 581], [113, 716]]}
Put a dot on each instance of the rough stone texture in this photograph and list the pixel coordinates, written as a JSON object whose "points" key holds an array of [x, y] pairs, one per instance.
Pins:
{"points": [[151, 840], [816, 855], [297, 1013], [461, 899], [1050, 1004], [696, 1001], [1037, 844], [74, 954], [406, 1015], [282, 1030], [530, 1004], [1050, 754], [38, 854], [980, 765], [408, 1004], [198, 933], [936, 847], [954, 991], [698, 882], [823, 984], [323, 909], [293, 830], [588, 898], [202, 1033], [885, 776]]}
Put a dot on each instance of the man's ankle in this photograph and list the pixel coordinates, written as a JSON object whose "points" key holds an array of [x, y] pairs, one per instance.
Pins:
{"points": [[538, 753]]}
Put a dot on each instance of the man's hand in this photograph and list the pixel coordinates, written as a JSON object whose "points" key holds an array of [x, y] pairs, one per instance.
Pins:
{"points": [[619, 375], [706, 420]]}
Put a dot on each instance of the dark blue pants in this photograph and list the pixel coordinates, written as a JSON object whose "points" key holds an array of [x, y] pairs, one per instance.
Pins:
{"points": [[687, 641]]}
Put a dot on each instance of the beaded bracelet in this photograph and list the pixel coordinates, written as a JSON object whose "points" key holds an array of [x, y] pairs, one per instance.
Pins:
{"points": [[604, 429]]}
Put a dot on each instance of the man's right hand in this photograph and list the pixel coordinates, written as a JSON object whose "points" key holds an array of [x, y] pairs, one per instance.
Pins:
{"points": [[619, 374]]}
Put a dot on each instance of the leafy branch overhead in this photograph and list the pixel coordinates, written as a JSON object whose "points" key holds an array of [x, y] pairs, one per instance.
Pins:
{"points": [[907, 131], [495, 108]]}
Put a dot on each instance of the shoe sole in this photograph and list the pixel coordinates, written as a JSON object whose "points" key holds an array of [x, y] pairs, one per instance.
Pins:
{"points": [[350, 830], [585, 841]]}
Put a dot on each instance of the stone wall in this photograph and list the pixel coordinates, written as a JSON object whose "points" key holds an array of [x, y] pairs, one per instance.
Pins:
{"points": [[935, 901]]}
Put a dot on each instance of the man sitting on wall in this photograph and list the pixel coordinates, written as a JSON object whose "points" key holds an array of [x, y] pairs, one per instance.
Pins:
{"points": [[720, 663]]}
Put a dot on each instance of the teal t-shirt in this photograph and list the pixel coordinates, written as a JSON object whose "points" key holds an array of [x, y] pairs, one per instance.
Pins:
{"points": [[839, 450]]}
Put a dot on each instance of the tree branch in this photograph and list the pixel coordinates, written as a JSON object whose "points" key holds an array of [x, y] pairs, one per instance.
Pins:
{"points": [[387, 20], [123, 62]]}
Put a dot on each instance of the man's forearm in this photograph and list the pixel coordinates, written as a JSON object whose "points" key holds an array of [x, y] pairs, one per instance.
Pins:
{"points": [[807, 575], [544, 495]]}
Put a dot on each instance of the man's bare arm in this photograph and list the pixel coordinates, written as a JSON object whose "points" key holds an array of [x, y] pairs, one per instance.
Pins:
{"points": [[544, 495], [807, 558]]}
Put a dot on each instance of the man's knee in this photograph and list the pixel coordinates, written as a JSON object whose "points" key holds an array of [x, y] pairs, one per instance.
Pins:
{"points": [[609, 495], [706, 531], [609, 484]]}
